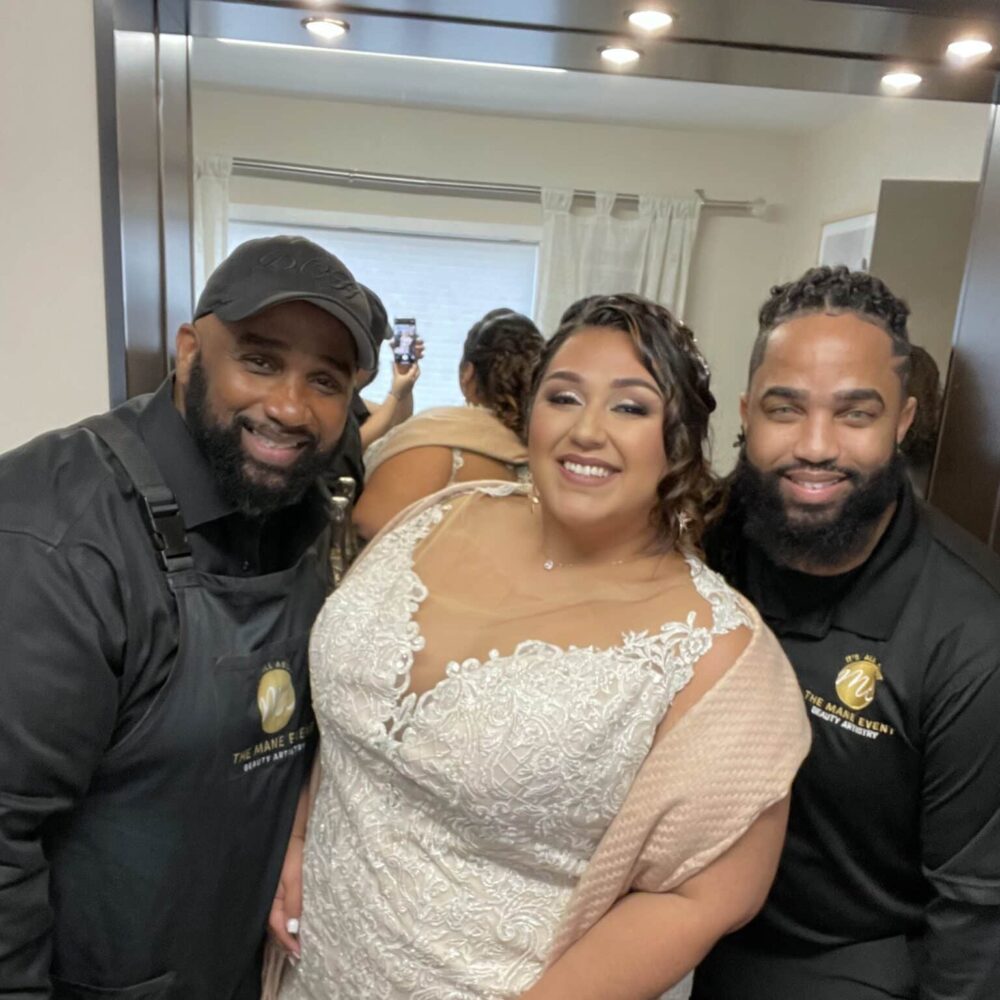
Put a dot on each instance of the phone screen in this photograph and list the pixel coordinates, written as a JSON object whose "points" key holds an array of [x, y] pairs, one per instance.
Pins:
{"points": [[404, 332]]}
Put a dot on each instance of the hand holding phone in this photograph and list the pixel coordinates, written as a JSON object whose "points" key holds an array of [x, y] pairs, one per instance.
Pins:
{"points": [[404, 333], [404, 378]]}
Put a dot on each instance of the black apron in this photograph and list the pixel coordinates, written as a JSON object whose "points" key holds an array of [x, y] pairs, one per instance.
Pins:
{"points": [[163, 877]]}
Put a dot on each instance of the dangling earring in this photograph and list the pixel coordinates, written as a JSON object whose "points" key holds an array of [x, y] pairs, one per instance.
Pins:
{"points": [[535, 501], [683, 520]]}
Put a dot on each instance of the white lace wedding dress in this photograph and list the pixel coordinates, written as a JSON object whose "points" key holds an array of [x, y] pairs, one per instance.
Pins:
{"points": [[450, 828]]}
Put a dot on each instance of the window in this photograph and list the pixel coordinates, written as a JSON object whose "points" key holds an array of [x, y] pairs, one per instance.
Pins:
{"points": [[445, 282]]}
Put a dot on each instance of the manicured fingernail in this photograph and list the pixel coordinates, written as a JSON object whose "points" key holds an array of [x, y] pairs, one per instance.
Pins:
{"points": [[292, 926]]}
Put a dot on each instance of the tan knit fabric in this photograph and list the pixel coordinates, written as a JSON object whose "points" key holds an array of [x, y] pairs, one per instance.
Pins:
{"points": [[468, 428], [732, 755]]}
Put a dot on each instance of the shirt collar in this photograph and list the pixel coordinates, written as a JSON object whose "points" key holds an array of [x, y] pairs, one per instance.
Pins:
{"points": [[871, 601], [184, 468]]}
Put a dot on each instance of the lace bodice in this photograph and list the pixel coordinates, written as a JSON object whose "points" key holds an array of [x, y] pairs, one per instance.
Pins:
{"points": [[450, 828]]}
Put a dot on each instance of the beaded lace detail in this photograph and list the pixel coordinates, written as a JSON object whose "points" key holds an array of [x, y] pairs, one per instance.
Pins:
{"points": [[451, 828]]}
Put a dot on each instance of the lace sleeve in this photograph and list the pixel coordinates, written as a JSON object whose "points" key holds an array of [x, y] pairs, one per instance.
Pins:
{"points": [[729, 610]]}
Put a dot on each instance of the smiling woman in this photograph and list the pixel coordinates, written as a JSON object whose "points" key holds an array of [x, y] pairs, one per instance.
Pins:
{"points": [[645, 429], [506, 676]]}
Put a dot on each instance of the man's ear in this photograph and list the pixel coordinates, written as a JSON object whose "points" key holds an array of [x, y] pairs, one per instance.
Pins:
{"points": [[906, 416], [188, 344], [744, 410]]}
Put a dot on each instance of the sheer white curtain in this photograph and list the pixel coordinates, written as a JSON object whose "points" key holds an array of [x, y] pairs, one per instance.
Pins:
{"points": [[211, 215], [598, 253]]}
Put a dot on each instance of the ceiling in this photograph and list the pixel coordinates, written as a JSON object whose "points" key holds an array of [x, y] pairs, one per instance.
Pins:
{"points": [[829, 46], [591, 97]]}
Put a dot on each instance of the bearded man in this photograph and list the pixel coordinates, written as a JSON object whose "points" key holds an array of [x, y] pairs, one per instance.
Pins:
{"points": [[889, 883], [163, 566]]}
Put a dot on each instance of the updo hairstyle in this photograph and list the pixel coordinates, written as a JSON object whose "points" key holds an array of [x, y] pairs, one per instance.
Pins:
{"points": [[504, 348], [688, 498]]}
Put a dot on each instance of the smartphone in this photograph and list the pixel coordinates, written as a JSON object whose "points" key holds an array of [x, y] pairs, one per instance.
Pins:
{"points": [[404, 333]]}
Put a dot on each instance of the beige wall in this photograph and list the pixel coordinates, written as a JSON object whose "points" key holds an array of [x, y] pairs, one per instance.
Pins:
{"points": [[735, 260], [52, 326], [843, 166], [807, 180], [51, 280]]}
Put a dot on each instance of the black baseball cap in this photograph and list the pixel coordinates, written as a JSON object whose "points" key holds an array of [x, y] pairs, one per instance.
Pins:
{"points": [[265, 272]]}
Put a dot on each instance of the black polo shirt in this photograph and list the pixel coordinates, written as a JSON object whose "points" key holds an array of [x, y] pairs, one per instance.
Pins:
{"points": [[895, 817], [89, 631]]}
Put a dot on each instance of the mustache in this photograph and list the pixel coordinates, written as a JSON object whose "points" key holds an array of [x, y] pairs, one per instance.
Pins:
{"points": [[278, 432], [850, 474]]}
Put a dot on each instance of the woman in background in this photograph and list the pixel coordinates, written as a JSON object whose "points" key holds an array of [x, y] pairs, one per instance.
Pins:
{"points": [[556, 749], [453, 444]]}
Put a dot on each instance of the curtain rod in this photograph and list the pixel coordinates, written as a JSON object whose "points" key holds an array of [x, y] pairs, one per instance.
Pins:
{"points": [[245, 167]]}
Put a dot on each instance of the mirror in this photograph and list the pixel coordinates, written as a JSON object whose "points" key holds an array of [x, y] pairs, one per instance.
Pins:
{"points": [[884, 182]]}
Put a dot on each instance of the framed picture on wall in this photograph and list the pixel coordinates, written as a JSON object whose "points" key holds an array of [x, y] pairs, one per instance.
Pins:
{"points": [[848, 241]]}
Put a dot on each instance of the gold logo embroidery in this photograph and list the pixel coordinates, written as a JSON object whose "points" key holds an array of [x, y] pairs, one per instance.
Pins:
{"points": [[857, 681], [275, 698]]}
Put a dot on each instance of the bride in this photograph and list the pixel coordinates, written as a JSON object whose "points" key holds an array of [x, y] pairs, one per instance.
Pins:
{"points": [[556, 749]]}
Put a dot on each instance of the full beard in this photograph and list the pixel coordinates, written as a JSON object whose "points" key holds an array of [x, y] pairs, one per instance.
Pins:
{"points": [[254, 489], [829, 536]]}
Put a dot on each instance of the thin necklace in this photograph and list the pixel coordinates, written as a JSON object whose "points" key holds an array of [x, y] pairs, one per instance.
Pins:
{"points": [[551, 564]]}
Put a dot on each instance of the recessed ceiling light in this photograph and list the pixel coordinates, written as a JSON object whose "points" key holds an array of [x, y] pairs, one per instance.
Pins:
{"points": [[325, 28], [620, 55], [650, 19], [901, 80], [967, 49]]}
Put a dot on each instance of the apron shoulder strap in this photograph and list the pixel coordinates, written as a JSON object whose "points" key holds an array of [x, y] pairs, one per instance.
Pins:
{"points": [[161, 512]]}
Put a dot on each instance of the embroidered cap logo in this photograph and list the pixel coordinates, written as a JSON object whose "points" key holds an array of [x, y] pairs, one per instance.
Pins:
{"points": [[321, 271]]}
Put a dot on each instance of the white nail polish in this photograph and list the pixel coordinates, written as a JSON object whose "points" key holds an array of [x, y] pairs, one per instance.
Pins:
{"points": [[292, 926]]}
